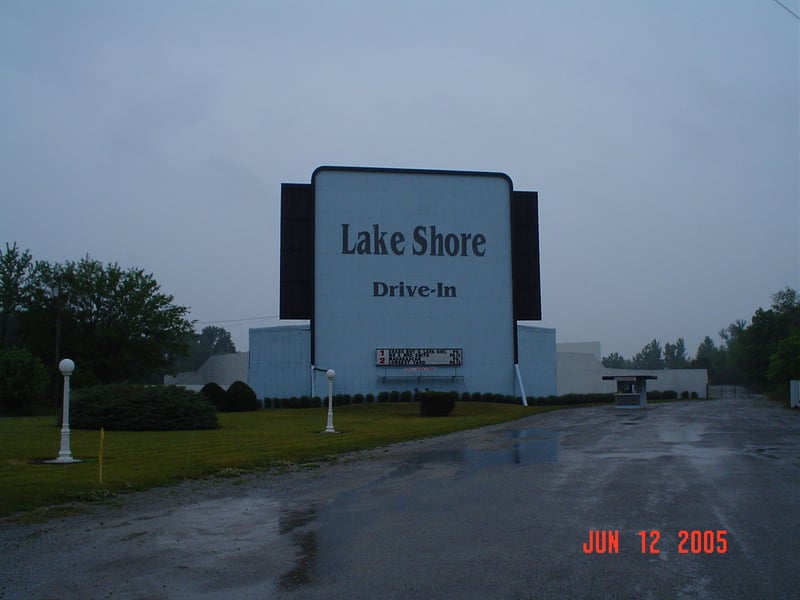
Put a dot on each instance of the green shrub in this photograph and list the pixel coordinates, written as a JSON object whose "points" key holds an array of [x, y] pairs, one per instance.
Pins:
{"points": [[369, 398], [340, 399], [394, 396], [239, 397], [693, 395], [548, 400], [298, 402], [215, 394], [126, 407], [23, 382], [477, 397], [684, 395], [406, 396], [669, 395], [655, 395], [436, 404], [358, 399], [383, 397]]}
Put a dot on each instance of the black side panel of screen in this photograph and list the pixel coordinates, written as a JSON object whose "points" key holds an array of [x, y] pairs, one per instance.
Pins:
{"points": [[525, 256], [297, 251]]}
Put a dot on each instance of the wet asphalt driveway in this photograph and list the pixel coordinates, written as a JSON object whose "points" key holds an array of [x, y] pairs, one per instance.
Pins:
{"points": [[502, 512]]}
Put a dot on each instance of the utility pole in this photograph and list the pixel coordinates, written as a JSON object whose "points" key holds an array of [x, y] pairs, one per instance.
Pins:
{"points": [[56, 292]]}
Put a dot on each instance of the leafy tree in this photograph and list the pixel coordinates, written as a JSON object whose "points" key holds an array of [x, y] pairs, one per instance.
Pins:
{"points": [[787, 302], [784, 364], [23, 381], [706, 355], [714, 360], [649, 357], [210, 341], [732, 332], [759, 354], [675, 355], [217, 340], [115, 323], [616, 361], [125, 326], [757, 344], [15, 269]]}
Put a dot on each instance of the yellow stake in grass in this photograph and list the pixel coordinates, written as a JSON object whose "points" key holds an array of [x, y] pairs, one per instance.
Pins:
{"points": [[100, 454]]}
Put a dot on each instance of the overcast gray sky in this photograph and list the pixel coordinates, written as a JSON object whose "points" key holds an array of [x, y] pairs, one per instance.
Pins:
{"points": [[663, 137]]}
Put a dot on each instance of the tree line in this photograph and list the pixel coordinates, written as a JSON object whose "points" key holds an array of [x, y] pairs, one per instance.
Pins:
{"points": [[652, 356], [115, 323], [119, 326], [764, 354]]}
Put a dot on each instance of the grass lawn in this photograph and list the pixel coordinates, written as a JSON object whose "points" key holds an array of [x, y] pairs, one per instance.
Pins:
{"points": [[245, 442]]}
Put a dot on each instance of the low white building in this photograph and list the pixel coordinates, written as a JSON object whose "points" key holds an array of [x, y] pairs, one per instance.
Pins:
{"points": [[579, 370], [279, 366], [222, 369]]}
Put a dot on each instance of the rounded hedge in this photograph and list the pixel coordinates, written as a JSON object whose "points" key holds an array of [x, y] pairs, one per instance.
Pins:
{"points": [[215, 394], [436, 404], [126, 407], [240, 397]]}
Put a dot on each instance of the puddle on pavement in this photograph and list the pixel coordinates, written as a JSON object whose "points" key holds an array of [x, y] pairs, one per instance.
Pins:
{"points": [[510, 447], [683, 434], [534, 446], [290, 520], [305, 542], [631, 419], [232, 527], [520, 447]]}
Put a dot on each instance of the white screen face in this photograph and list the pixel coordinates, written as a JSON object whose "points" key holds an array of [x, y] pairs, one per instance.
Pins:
{"points": [[412, 260]]}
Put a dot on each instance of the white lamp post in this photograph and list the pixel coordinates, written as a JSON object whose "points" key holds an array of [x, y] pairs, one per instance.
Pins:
{"points": [[66, 367], [330, 373]]}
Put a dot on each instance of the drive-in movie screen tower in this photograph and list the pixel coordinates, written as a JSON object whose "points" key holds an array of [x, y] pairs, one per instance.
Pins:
{"points": [[411, 279]]}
